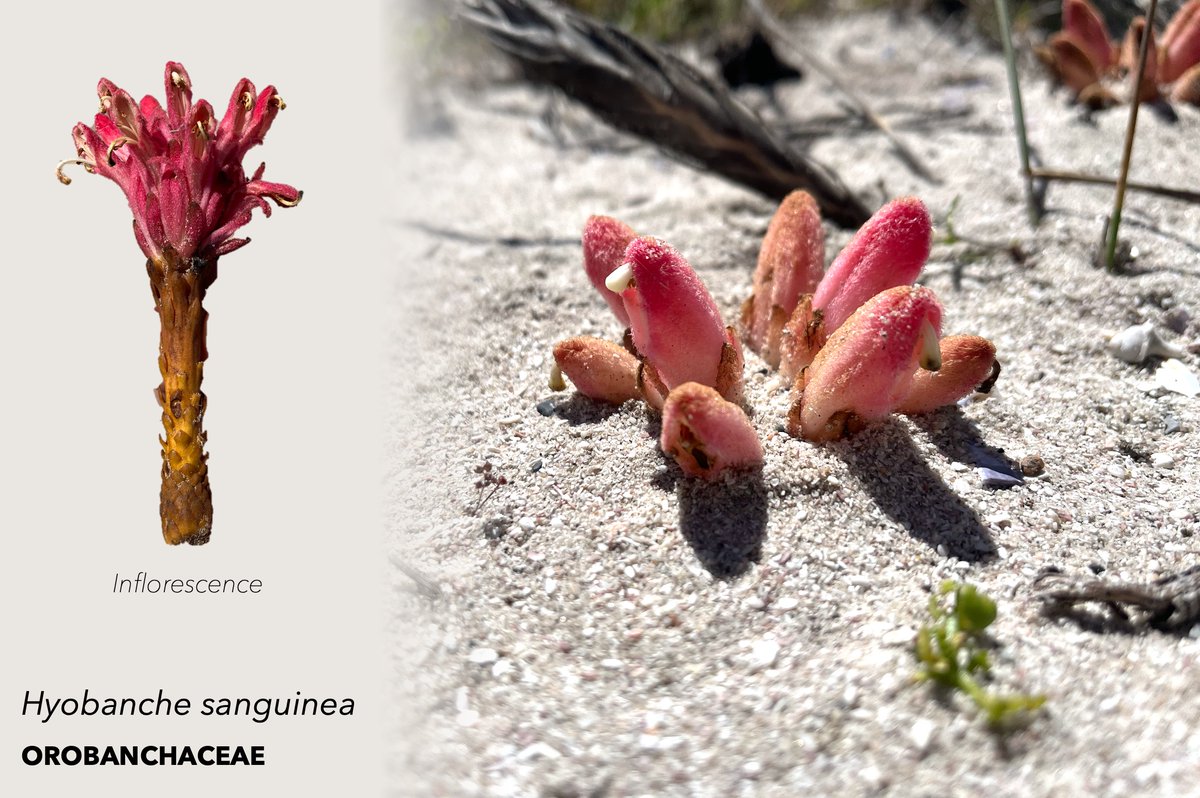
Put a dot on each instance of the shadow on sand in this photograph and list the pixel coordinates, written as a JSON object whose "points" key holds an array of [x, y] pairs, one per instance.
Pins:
{"points": [[912, 495], [724, 523]]}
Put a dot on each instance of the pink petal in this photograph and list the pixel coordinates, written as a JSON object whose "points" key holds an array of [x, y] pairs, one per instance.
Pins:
{"points": [[706, 434], [1086, 25], [1187, 88], [604, 243], [889, 250], [790, 264], [1070, 62], [238, 112], [1130, 48], [1179, 50], [674, 321], [866, 368], [599, 369], [967, 362], [179, 93]]}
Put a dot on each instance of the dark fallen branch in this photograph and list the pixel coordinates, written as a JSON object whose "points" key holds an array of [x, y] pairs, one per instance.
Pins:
{"points": [[645, 91]]}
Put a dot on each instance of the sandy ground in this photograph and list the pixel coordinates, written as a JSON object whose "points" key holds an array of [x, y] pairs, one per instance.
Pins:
{"points": [[606, 626]]}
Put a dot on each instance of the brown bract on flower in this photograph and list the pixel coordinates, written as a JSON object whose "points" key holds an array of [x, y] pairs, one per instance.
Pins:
{"points": [[1085, 59], [181, 172]]}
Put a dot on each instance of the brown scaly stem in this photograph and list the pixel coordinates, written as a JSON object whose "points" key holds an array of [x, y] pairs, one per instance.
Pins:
{"points": [[185, 502]]}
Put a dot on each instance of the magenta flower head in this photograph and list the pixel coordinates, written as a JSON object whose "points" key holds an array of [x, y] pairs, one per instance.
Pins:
{"points": [[866, 368], [604, 243], [888, 251], [675, 324], [181, 171], [790, 264], [706, 434], [180, 168]]}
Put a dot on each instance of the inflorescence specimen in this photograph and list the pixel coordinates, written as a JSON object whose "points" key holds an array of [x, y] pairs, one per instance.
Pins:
{"points": [[858, 342], [1084, 58], [181, 171]]}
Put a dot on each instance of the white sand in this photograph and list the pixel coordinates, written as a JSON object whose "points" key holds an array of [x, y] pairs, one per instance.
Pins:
{"points": [[607, 627]]}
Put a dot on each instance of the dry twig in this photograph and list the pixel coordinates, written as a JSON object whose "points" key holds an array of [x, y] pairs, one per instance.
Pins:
{"points": [[779, 39], [645, 91]]}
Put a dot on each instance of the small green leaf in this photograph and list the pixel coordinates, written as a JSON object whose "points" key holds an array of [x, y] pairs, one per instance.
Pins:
{"points": [[975, 611]]}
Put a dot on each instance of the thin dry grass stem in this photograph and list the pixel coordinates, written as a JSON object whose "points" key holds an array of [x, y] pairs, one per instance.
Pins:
{"points": [[779, 38], [1014, 89], [1181, 194], [1135, 81]]}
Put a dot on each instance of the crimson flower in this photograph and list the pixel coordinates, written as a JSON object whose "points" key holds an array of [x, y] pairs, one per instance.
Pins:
{"points": [[180, 169]]}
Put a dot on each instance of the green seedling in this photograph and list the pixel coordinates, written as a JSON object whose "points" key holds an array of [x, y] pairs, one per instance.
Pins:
{"points": [[953, 652]]}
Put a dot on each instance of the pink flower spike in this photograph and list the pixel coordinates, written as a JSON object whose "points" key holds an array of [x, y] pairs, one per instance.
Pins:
{"points": [[1179, 50], [866, 368], [604, 243], [1087, 28], [598, 369], [180, 169], [674, 321], [790, 264], [889, 250], [968, 361], [706, 434]]}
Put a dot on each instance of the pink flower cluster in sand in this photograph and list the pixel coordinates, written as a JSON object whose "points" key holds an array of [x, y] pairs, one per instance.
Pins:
{"points": [[1084, 57], [858, 342]]}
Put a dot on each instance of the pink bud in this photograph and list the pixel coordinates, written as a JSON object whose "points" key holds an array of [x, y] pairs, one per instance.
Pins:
{"points": [[604, 243], [889, 250], [1069, 61], [598, 369], [674, 321], [1131, 48], [789, 266], [1187, 88], [706, 434], [1084, 23], [967, 362], [866, 367], [1180, 47]]}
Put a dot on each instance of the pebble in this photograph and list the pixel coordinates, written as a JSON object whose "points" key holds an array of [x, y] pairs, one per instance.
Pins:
{"points": [[900, 636], [546, 408], [1163, 460], [992, 478], [538, 751], [550, 585], [483, 656], [527, 524], [501, 667], [612, 664], [1032, 466], [763, 654], [786, 604], [1171, 424], [1116, 470], [536, 466], [921, 734]]}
